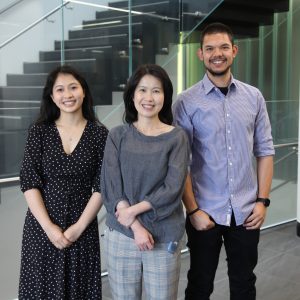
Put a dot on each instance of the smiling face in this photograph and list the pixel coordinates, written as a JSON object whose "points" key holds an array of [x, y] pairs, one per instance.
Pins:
{"points": [[67, 94], [217, 53], [148, 97]]}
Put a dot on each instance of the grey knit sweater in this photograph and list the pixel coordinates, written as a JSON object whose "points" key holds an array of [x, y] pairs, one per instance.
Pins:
{"points": [[137, 167]]}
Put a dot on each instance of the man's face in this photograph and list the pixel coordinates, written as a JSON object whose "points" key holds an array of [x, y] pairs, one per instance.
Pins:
{"points": [[217, 53]]}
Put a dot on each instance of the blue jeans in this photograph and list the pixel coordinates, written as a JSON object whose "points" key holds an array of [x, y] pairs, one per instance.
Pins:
{"points": [[241, 250]]}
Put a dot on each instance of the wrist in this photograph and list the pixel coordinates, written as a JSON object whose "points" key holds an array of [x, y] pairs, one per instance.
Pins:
{"points": [[135, 225], [190, 213], [265, 201]]}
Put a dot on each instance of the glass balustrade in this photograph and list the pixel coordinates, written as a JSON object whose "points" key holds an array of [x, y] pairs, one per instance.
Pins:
{"points": [[106, 41]]}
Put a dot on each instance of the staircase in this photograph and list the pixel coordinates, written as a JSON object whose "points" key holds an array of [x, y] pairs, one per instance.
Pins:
{"points": [[100, 52]]}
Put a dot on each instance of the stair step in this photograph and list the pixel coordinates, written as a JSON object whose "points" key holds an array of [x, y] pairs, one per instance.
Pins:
{"points": [[106, 31], [83, 65], [11, 122], [21, 92], [12, 151], [164, 33], [76, 54], [7, 105], [122, 20], [117, 39], [159, 8], [274, 5], [26, 79]]}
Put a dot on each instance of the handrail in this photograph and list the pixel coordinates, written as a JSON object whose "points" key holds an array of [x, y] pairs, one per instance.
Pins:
{"points": [[134, 12], [285, 145], [9, 6], [33, 24], [12, 179]]}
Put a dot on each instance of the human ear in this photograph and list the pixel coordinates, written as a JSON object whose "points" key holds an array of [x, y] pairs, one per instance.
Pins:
{"points": [[200, 53], [235, 50]]}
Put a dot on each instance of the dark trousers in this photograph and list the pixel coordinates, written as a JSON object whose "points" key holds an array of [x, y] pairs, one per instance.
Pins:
{"points": [[241, 250]]}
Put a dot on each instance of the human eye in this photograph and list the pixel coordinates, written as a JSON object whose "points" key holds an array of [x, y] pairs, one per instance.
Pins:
{"points": [[58, 90], [74, 87], [156, 91], [225, 47], [209, 49]]}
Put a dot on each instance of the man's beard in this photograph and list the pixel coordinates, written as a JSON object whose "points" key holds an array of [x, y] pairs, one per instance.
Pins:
{"points": [[217, 73]]}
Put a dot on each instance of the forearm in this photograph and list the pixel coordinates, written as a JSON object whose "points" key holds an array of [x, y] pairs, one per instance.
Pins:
{"points": [[264, 175], [140, 208], [90, 212], [37, 207], [188, 197]]}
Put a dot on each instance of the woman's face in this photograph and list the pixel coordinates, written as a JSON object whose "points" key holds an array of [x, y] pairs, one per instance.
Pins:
{"points": [[148, 97], [67, 93]]}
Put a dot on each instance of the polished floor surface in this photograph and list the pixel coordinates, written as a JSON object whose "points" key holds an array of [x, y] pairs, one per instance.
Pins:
{"points": [[278, 270]]}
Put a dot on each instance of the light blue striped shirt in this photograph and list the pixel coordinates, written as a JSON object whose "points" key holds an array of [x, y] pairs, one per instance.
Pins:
{"points": [[225, 134]]}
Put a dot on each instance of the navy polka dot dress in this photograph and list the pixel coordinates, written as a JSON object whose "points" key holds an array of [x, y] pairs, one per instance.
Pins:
{"points": [[66, 182]]}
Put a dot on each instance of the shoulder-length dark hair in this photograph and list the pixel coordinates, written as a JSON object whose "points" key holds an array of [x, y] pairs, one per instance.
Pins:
{"points": [[49, 112], [131, 114]]}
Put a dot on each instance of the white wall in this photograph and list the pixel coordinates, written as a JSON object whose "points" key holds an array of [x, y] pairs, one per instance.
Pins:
{"points": [[40, 38]]}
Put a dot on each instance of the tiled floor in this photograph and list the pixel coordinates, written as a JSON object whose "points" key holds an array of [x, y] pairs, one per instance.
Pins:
{"points": [[278, 270]]}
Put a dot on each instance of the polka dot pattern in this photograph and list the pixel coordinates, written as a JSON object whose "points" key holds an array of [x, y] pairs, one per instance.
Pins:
{"points": [[66, 182]]}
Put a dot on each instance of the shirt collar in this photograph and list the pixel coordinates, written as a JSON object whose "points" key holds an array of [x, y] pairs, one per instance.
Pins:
{"points": [[209, 86]]}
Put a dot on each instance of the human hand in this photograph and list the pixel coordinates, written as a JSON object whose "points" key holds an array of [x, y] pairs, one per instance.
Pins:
{"points": [[73, 232], [201, 221], [257, 218], [125, 216], [122, 204], [56, 237], [142, 237]]}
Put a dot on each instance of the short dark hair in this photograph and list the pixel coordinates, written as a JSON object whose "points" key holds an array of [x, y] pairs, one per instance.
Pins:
{"points": [[49, 112], [216, 28], [131, 114]]}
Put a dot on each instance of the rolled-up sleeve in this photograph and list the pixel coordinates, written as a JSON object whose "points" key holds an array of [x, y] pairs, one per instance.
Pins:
{"points": [[263, 141]]}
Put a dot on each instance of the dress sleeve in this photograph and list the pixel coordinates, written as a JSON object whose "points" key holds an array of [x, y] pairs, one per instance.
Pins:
{"points": [[166, 198], [101, 137], [31, 169], [112, 190]]}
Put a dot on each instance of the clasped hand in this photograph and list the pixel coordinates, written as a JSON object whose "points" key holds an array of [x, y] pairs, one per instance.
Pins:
{"points": [[62, 239], [125, 216]]}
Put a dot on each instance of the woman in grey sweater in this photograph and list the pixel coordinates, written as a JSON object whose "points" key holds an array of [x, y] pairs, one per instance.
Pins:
{"points": [[143, 174]]}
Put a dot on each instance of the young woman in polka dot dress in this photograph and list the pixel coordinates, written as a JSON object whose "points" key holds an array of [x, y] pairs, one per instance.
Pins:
{"points": [[60, 178]]}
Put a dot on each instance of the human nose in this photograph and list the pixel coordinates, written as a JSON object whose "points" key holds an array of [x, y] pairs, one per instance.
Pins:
{"points": [[67, 93], [149, 96]]}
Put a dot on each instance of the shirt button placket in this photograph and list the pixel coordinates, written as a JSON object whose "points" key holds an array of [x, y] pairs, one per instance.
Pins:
{"points": [[230, 161]]}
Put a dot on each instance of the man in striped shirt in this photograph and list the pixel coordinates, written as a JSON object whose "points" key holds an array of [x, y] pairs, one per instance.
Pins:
{"points": [[225, 196]]}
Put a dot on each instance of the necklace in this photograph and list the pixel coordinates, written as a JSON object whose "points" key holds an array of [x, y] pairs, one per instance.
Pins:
{"points": [[71, 133]]}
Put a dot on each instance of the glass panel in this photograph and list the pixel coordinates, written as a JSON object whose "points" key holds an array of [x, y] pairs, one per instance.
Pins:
{"points": [[12, 214], [22, 77], [284, 186]]}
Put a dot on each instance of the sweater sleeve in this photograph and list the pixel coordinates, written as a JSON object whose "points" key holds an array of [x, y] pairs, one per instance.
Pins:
{"points": [[167, 197], [101, 136], [111, 177]]}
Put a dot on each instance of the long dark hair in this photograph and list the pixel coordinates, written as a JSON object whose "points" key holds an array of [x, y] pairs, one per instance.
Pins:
{"points": [[131, 114], [49, 112]]}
